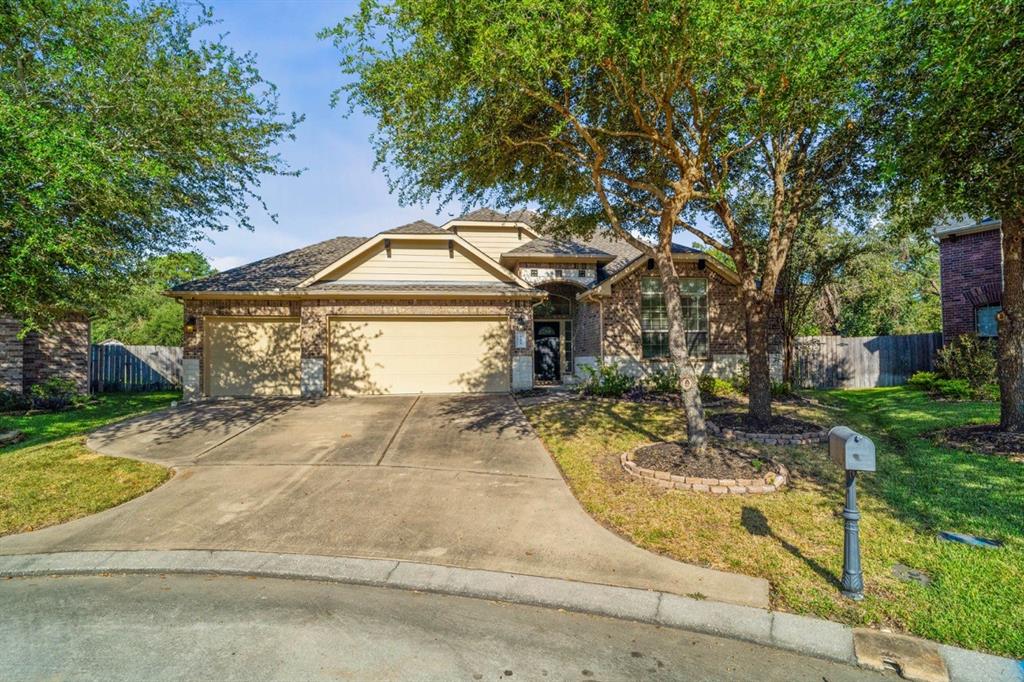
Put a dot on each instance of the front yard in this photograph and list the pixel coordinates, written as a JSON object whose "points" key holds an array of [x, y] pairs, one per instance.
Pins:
{"points": [[794, 538], [51, 477]]}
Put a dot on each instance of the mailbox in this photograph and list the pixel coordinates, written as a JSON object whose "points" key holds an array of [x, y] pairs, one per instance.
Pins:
{"points": [[850, 450]]}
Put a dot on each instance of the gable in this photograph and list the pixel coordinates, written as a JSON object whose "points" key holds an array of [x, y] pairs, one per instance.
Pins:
{"points": [[417, 260], [495, 240]]}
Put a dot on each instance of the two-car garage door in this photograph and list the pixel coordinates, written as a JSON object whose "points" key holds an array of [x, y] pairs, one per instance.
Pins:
{"points": [[418, 355], [262, 356]]}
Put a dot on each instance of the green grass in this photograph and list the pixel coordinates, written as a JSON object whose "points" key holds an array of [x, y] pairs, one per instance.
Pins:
{"points": [[794, 538], [51, 477]]}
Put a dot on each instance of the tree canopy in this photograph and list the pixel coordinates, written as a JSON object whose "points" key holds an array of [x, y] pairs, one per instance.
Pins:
{"points": [[123, 133], [141, 314]]}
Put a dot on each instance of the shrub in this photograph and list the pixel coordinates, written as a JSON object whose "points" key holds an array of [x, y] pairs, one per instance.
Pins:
{"points": [[970, 359], [923, 381], [781, 389], [607, 379], [663, 380], [714, 387], [12, 401], [954, 389], [53, 394], [741, 379]]}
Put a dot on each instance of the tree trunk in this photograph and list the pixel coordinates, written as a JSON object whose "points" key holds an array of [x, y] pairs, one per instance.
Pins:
{"points": [[760, 387], [1011, 327], [696, 429]]}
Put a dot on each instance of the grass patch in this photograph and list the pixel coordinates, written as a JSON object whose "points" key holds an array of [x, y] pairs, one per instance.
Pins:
{"points": [[51, 477], [794, 538]]}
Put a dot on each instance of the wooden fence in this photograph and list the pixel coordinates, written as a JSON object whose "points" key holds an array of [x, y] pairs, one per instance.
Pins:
{"points": [[114, 367], [861, 361]]}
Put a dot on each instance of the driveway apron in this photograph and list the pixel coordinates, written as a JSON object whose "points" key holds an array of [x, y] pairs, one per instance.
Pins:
{"points": [[454, 480]]}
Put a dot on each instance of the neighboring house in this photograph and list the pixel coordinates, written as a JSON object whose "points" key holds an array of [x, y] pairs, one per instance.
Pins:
{"points": [[485, 303], [971, 274], [62, 351]]}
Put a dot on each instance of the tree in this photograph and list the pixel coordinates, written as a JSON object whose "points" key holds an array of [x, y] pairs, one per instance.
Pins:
{"points": [[142, 315], [123, 134], [628, 117], [955, 146]]}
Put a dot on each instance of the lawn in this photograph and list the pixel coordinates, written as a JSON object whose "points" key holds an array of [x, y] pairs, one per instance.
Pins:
{"points": [[51, 477], [794, 538]]}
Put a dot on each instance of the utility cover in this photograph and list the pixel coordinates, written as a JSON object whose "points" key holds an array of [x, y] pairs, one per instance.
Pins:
{"points": [[973, 540]]}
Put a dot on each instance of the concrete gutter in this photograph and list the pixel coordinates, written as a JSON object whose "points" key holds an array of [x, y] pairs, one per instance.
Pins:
{"points": [[808, 636]]}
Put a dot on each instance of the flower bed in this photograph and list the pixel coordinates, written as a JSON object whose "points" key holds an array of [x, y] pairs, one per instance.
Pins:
{"points": [[770, 482]]}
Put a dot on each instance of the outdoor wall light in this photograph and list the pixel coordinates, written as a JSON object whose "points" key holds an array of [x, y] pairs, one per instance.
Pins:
{"points": [[190, 324]]}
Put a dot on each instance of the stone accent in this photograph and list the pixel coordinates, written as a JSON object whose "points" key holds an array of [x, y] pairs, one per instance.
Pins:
{"points": [[190, 379], [60, 351], [809, 438], [769, 483], [11, 356], [971, 268], [312, 379], [522, 372], [314, 316], [558, 272]]}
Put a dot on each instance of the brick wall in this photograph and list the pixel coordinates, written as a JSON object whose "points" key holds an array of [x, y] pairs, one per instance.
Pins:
{"points": [[314, 314], [11, 353], [587, 335], [61, 351], [971, 276]]}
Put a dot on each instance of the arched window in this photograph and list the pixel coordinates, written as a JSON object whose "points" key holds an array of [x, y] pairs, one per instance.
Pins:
{"points": [[555, 305]]}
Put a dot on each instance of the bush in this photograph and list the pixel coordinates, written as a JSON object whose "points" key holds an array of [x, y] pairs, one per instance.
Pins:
{"points": [[970, 359], [716, 388], [923, 381], [663, 380], [12, 401], [954, 389], [606, 379], [53, 394], [781, 389], [741, 379]]}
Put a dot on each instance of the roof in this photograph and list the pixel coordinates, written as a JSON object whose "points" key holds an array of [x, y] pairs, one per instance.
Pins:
{"points": [[489, 215], [433, 287], [418, 227], [965, 225], [284, 271], [546, 246]]}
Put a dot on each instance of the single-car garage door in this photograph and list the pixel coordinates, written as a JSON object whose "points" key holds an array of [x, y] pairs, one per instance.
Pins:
{"points": [[252, 356], [419, 355]]}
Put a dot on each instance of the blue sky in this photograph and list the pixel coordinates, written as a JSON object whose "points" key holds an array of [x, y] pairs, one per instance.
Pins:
{"points": [[338, 192]]}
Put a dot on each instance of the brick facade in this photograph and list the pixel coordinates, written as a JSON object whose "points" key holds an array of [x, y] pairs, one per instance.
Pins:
{"points": [[314, 314], [61, 351], [971, 269]]}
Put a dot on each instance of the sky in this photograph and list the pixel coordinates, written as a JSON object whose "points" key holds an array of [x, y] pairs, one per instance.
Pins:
{"points": [[338, 192]]}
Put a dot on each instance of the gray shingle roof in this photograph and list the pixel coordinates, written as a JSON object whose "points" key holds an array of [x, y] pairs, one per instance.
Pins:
{"points": [[489, 215], [418, 227], [284, 271], [545, 246], [467, 288]]}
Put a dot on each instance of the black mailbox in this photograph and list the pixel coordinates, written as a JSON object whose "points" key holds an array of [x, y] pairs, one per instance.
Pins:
{"points": [[850, 450]]}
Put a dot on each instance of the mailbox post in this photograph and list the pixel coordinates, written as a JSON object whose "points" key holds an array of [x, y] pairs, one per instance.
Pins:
{"points": [[854, 453]]}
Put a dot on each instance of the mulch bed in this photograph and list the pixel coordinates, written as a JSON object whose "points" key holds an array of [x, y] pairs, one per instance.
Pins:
{"points": [[780, 424], [984, 438], [717, 461]]}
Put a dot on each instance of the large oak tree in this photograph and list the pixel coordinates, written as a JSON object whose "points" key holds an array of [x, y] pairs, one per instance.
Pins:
{"points": [[629, 117], [123, 132]]}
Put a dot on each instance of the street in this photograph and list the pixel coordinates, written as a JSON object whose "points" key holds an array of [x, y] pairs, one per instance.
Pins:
{"points": [[229, 628]]}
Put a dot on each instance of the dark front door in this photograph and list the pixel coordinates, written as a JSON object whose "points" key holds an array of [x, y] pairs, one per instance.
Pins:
{"points": [[546, 356]]}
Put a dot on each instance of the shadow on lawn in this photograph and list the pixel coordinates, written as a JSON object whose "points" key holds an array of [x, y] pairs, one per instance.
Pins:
{"points": [[756, 523]]}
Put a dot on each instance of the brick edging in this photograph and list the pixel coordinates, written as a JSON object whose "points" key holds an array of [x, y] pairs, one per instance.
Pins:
{"points": [[770, 483], [807, 438]]}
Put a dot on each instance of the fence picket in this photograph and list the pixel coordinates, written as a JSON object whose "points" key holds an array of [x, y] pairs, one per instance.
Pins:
{"points": [[115, 367], [862, 361]]}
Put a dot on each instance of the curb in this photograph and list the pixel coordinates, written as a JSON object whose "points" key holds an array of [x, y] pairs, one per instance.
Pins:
{"points": [[803, 635]]}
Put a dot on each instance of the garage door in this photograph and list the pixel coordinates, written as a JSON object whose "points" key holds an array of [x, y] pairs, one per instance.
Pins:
{"points": [[419, 355], [252, 357]]}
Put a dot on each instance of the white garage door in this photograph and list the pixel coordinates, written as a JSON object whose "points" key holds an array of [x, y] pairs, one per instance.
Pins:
{"points": [[419, 355], [252, 356]]}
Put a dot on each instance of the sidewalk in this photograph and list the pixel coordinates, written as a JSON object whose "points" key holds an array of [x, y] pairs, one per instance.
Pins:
{"points": [[918, 659]]}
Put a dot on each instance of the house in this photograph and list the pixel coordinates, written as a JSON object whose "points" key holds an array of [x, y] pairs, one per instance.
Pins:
{"points": [[61, 351], [484, 303], [971, 274]]}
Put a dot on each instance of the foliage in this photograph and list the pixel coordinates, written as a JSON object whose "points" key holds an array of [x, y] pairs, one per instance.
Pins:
{"points": [[142, 315], [54, 394], [663, 380], [124, 133], [968, 358], [606, 379], [714, 387], [793, 538], [781, 389], [923, 381]]}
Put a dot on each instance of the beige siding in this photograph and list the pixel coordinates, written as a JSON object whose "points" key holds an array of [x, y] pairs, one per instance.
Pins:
{"points": [[494, 241], [418, 355], [423, 261], [252, 356]]}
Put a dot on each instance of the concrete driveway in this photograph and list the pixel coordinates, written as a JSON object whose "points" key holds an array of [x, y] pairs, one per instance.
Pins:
{"points": [[461, 481]]}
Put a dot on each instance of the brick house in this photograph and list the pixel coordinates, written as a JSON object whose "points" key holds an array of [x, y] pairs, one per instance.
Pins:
{"points": [[61, 351], [971, 274], [484, 303]]}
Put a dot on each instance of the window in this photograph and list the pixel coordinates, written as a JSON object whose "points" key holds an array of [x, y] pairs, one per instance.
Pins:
{"points": [[581, 273], [985, 321], [558, 273], [654, 318], [533, 273]]}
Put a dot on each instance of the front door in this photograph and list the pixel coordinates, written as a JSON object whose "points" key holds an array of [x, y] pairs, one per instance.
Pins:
{"points": [[546, 356]]}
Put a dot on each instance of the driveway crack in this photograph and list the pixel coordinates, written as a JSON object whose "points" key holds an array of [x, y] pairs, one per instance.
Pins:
{"points": [[397, 429]]}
